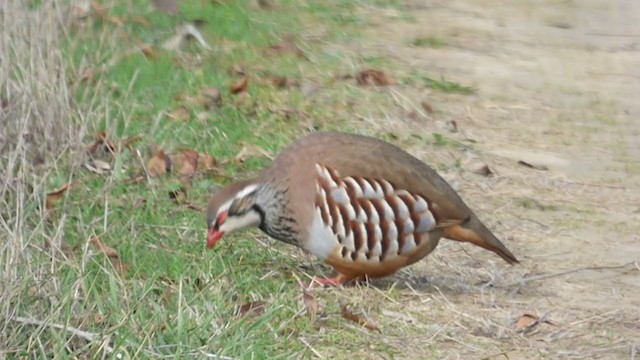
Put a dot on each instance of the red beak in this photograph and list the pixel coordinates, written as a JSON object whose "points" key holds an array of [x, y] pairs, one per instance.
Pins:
{"points": [[214, 236]]}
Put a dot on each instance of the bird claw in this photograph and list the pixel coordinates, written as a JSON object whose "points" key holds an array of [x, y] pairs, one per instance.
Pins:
{"points": [[326, 281]]}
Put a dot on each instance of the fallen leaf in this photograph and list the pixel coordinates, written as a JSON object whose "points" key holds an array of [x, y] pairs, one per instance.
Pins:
{"points": [[284, 47], [526, 322], [310, 303], [210, 97], [373, 77], [254, 308], [101, 145], [484, 170], [148, 51], [240, 85], [88, 75], [358, 319], [54, 196], [120, 266], [159, 164], [426, 105], [185, 163], [206, 162], [179, 114], [167, 6], [107, 250], [531, 166]]}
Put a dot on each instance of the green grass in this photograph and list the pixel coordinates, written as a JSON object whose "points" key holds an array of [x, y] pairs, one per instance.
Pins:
{"points": [[176, 297]]}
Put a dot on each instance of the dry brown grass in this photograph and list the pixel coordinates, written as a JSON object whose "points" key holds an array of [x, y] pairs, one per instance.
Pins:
{"points": [[39, 133]]}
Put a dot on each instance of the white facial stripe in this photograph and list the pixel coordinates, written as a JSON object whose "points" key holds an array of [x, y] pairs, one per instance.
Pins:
{"points": [[246, 191], [233, 223]]}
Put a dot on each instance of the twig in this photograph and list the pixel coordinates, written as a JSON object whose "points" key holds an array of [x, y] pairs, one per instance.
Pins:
{"points": [[306, 343], [77, 332], [633, 352], [546, 276]]}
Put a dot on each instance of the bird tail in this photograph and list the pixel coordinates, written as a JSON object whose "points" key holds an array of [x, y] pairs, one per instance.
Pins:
{"points": [[474, 231]]}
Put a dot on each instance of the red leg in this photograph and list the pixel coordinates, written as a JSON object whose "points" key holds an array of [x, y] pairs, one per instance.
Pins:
{"points": [[329, 281]]}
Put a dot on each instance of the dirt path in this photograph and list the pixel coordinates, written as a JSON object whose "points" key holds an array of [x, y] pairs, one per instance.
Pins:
{"points": [[558, 84]]}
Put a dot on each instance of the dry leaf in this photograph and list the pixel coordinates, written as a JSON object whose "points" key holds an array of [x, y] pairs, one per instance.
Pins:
{"points": [[373, 77], [107, 250], [101, 145], [526, 322], [148, 51], [88, 75], [210, 97], [310, 303], [186, 162], [531, 166], [358, 319], [484, 170], [179, 114], [159, 164], [426, 105], [120, 266], [240, 85], [254, 308], [54, 196]]}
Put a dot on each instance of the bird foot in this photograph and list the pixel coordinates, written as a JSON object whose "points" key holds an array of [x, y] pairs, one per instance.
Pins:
{"points": [[327, 281]]}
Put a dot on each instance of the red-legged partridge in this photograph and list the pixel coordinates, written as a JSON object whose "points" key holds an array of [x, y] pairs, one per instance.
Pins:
{"points": [[364, 206]]}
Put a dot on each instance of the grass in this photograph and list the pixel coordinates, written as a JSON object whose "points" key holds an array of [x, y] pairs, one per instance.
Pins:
{"points": [[165, 295], [173, 298]]}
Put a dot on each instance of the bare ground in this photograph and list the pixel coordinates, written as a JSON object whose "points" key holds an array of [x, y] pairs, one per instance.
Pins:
{"points": [[557, 85]]}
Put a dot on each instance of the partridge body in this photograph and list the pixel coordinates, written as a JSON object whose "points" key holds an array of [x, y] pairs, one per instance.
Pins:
{"points": [[364, 206]]}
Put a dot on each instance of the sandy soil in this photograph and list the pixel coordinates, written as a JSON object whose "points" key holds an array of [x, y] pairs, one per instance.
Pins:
{"points": [[558, 84]]}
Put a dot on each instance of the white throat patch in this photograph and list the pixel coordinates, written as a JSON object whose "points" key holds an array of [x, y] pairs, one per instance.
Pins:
{"points": [[233, 223]]}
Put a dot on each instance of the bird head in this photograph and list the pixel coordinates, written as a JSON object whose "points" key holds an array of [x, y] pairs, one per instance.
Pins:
{"points": [[233, 208]]}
